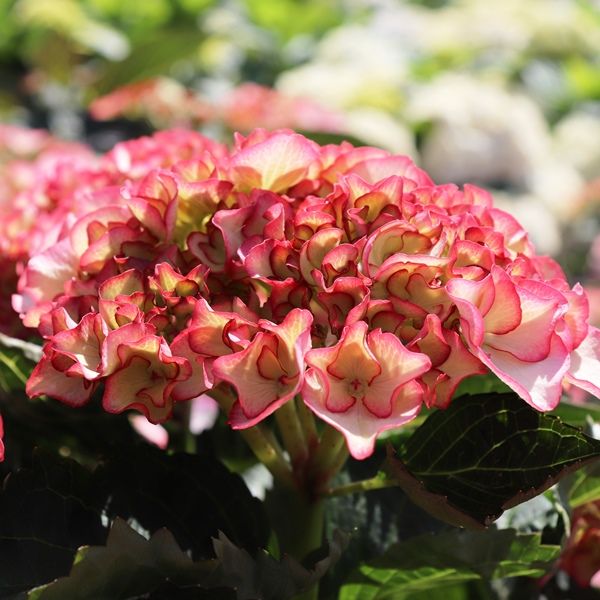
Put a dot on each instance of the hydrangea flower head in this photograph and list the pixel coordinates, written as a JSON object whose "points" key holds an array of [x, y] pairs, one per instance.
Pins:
{"points": [[279, 269]]}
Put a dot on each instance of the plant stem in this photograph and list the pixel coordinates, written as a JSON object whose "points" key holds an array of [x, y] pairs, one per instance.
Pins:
{"points": [[311, 594], [261, 442], [292, 433], [309, 535], [268, 454], [379, 482], [300, 531], [312, 539], [329, 456], [308, 424], [184, 438], [560, 509]]}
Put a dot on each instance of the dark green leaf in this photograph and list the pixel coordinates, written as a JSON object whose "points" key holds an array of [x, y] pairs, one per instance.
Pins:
{"points": [[432, 562], [50, 510], [13, 370], [487, 453], [46, 513], [192, 496], [128, 567], [377, 520], [266, 578], [82, 434], [467, 590], [170, 591]]}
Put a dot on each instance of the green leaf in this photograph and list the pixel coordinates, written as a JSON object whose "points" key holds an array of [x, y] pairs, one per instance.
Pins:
{"points": [[169, 591], [264, 577], [192, 496], [46, 513], [431, 562], [466, 590], [377, 520], [583, 77], [127, 567], [294, 17], [152, 57], [583, 486], [50, 510], [481, 384], [577, 414], [82, 434], [17, 359], [13, 370], [484, 454], [323, 138]]}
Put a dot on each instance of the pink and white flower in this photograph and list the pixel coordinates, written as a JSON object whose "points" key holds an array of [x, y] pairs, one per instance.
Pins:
{"points": [[364, 384], [339, 276], [269, 371]]}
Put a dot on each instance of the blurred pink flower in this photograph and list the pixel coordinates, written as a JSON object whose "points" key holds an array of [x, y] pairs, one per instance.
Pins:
{"points": [[581, 557]]}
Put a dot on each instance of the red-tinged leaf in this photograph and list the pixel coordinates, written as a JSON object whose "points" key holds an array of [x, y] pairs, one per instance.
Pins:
{"points": [[487, 453]]}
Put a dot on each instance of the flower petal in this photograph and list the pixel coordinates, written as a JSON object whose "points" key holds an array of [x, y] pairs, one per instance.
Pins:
{"points": [[585, 369], [538, 383], [358, 425]]}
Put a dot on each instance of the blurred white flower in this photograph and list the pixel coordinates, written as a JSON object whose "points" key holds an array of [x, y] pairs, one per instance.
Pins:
{"points": [[577, 140], [378, 128], [479, 131], [353, 67]]}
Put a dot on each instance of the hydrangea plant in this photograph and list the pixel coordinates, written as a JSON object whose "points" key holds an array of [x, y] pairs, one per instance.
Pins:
{"points": [[323, 296]]}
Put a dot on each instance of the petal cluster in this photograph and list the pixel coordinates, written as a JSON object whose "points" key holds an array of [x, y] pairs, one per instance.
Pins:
{"points": [[281, 268]]}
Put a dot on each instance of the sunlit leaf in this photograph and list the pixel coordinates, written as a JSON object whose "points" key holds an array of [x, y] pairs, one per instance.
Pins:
{"points": [[17, 359], [433, 562], [293, 17], [583, 486], [577, 414]]}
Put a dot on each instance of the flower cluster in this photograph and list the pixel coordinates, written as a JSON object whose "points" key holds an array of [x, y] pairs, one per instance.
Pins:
{"points": [[281, 268], [242, 108], [46, 184], [36, 175]]}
